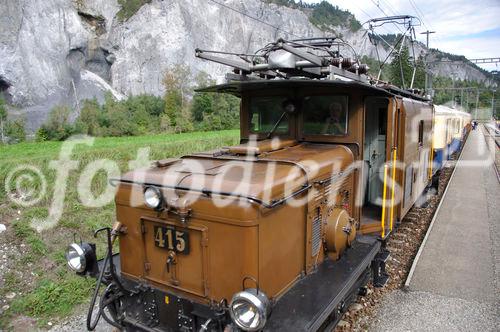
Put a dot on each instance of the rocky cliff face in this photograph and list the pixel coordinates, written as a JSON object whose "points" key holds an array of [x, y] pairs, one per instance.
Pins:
{"points": [[63, 51]]}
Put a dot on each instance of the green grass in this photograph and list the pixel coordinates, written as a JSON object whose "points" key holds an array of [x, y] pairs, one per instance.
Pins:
{"points": [[55, 290], [54, 298]]}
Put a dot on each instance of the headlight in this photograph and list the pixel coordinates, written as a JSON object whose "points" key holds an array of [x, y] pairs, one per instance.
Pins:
{"points": [[76, 258], [153, 197], [249, 309], [81, 258]]}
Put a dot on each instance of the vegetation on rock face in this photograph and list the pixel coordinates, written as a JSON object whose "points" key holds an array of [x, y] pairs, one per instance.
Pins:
{"points": [[323, 15], [467, 95], [129, 8]]}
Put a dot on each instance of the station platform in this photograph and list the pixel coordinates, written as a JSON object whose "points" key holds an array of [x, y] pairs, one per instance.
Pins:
{"points": [[454, 284]]}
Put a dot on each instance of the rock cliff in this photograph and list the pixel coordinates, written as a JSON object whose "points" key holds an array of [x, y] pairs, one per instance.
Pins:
{"points": [[63, 51]]}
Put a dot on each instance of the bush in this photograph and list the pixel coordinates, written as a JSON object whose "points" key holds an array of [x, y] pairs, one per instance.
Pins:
{"points": [[57, 127], [88, 120], [178, 111]]}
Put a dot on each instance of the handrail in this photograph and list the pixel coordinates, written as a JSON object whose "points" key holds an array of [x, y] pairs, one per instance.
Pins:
{"points": [[384, 196], [208, 192], [394, 152], [431, 162]]}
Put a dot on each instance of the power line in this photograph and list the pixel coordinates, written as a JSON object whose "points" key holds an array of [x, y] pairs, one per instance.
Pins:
{"points": [[389, 7], [419, 13], [383, 12], [421, 16], [254, 18], [371, 17]]}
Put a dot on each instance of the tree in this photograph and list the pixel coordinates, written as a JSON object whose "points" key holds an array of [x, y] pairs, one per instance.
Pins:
{"points": [[419, 82], [400, 69], [57, 126], [202, 104], [177, 90], [173, 105], [88, 120], [178, 78]]}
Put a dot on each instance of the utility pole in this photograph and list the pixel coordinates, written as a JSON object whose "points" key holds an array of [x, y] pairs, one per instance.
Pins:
{"points": [[426, 67], [493, 113]]}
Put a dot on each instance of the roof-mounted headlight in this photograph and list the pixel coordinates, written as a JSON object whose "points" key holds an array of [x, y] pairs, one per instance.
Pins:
{"points": [[80, 257], [249, 309], [153, 197]]}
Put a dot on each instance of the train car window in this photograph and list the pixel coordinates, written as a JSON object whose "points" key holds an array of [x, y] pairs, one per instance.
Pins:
{"points": [[265, 112], [421, 133], [325, 115]]}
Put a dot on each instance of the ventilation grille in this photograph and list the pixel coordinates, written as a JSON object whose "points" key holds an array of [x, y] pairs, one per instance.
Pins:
{"points": [[316, 233]]}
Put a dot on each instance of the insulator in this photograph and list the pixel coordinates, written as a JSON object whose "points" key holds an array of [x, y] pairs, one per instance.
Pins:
{"points": [[336, 61], [363, 68], [347, 62], [353, 68]]}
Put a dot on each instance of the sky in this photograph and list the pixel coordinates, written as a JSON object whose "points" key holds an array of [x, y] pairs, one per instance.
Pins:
{"points": [[463, 27]]}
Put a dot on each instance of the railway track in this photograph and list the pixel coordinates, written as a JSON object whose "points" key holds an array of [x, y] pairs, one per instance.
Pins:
{"points": [[493, 132], [489, 131]]}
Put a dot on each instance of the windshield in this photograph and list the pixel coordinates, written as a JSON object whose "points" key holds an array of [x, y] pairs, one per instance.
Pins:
{"points": [[265, 112], [325, 115]]}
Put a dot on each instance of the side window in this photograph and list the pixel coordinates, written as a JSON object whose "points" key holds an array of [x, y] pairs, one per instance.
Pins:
{"points": [[325, 115], [265, 112], [421, 133]]}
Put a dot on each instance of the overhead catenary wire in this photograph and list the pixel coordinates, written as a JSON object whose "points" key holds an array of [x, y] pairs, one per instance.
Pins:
{"points": [[389, 7], [421, 16], [254, 18], [419, 13], [369, 16], [273, 26], [383, 12]]}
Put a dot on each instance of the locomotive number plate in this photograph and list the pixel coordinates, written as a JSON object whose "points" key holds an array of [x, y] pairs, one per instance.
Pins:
{"points": [[171, 238]]}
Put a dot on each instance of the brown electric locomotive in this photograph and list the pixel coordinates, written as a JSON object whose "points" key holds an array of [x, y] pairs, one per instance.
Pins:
{"points": [[283, 231]]}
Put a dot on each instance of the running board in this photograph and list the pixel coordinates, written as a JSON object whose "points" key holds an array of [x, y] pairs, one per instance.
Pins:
{"points": [[321, 298]]}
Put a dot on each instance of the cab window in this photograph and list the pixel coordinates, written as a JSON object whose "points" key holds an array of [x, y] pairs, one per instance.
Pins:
{"points": [[265, 112], [325, 115]]}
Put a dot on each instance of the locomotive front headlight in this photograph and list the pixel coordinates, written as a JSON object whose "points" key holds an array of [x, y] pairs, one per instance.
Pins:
{"points": [[249, 309], [153, 197], [75, 255]]}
